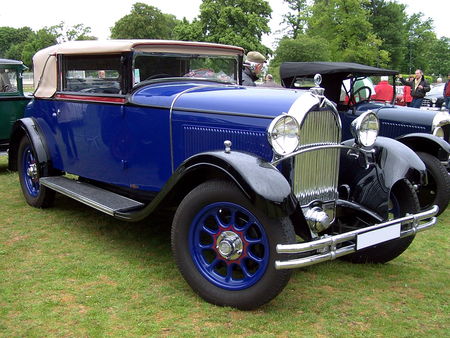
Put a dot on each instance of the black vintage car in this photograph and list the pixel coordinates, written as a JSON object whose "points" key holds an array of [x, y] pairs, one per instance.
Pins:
{"points": [[425, 132]]}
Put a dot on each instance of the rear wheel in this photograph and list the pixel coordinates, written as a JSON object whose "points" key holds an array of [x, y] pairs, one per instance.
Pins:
{"points": [[437, 191], [29, 173], [403, 200], [225, 247]]}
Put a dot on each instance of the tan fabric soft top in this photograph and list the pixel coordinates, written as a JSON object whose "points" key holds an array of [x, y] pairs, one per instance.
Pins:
{"points": [[45, 65]]}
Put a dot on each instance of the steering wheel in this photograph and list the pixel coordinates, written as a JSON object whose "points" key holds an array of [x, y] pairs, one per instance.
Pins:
{"points": [[358, 91]]}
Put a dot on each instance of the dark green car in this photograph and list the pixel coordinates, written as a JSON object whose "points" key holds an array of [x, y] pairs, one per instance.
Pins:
{"points": [[12, 99]]}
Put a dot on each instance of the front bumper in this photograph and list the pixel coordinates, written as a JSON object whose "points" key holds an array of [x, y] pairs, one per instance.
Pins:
{"points": [[326, 248]]}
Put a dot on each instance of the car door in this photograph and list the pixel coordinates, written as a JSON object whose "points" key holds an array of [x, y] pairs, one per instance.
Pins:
{"points": [[87, 119]]}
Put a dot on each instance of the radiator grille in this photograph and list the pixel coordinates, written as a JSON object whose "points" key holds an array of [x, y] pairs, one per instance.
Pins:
{"points": [[316, 172]]}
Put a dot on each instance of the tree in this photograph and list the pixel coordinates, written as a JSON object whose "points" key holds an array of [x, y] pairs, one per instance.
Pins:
{"points": [[43, 38], [421, 38], [388, 20], [297, 19], [439, 57], [144, 22], [346, 27], [301, 49], [235, 22], [9, 37]]}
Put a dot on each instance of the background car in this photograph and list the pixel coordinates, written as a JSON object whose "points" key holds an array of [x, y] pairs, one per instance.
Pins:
{"points": [[425, 132], [12, 99], [143, 125], [435, 97]]}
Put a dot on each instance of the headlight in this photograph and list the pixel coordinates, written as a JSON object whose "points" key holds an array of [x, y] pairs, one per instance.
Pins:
{"points": [[433, 99], [440, 120], [439, 132], [283, 134], [365, 129]]}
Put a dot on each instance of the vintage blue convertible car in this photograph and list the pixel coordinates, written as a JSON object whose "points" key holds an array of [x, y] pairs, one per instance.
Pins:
{"points": [[146, 124], [425, 132]]}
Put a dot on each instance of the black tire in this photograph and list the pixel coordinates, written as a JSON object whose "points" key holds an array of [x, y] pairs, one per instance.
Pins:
{"points": [[203, 217], [405, 198], [437, 191], [29, 173]]}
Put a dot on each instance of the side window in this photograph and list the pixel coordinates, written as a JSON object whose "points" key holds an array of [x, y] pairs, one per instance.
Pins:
{"points": [[91, 74], [8, 81]]}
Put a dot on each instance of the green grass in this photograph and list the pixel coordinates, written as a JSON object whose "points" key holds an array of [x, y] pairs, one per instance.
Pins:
{"points": [[72, 271]]}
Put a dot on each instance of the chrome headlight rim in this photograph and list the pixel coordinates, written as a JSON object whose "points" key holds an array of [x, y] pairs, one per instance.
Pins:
{"points": [[279, 147], [364, 135], [440, 119]]}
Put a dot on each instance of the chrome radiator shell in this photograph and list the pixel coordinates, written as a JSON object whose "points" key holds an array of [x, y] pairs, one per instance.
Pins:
{"points": [[315, 173]]}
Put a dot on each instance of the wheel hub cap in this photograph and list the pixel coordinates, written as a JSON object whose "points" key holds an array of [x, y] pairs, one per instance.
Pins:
{"points": [[229, 245], [32, 171]]}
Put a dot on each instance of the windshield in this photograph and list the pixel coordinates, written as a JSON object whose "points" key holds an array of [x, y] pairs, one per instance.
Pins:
{"points": [[8, 81], [149, 66]]}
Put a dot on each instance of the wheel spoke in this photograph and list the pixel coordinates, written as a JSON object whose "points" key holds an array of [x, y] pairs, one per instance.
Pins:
{"points": [[209, 231], [246, 273], [252, 256]]}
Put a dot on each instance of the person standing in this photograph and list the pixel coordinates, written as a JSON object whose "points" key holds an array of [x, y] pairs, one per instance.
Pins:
{"points": [[269, 82], [447, 93], [253, 66], [419, 87], [383, 90]]}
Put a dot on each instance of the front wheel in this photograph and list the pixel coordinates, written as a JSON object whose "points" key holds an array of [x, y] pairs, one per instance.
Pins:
{"points": [[225, 247], [403, 200], [29, 174], [437, 191]]}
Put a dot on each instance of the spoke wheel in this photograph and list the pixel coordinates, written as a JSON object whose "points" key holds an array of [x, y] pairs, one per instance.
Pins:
{"points": [[229, 246], [225, 247], [29, 174]]}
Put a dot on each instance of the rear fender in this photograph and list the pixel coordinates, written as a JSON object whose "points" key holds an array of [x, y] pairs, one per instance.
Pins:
{"points": [[27, 126]]}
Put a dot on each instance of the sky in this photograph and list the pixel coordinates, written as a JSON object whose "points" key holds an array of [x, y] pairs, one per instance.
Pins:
{"points": [[101, 15]]}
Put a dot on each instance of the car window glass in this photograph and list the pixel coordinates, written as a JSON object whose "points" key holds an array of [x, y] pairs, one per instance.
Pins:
{"points": [[92, 74], [8, 81], [304, 82], [150, 66]]}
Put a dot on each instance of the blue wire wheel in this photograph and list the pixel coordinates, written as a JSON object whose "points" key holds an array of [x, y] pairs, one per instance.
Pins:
{"points": [[30, 172], [229, 246]]}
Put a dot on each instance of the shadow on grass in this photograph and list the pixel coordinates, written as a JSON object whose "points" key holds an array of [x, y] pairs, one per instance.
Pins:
{"points": [[147, 234]]}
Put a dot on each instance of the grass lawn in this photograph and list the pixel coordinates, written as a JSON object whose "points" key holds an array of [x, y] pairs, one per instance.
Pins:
{"points": [[72, 271]]}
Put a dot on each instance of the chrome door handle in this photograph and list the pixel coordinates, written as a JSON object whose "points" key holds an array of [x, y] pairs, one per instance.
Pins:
{"points": [[57, 113]]}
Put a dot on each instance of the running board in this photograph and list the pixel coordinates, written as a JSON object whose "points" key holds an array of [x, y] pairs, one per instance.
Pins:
{"points": [[103, 200]]}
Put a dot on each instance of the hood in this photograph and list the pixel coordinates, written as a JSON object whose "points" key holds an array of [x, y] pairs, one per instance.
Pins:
{"points": [[213, 97], [407, 115]]}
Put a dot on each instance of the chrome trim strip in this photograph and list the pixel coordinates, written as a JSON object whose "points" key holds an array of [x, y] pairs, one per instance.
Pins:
{"points": [[328, 244], [170, 119], [276, 161]]}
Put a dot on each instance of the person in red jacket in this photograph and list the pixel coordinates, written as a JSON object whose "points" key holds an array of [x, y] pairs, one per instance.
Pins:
{"points": [[447, 93], [383, 90]]}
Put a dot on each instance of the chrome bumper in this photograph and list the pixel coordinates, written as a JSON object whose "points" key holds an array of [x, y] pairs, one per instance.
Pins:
{"points": [[326, 246]]}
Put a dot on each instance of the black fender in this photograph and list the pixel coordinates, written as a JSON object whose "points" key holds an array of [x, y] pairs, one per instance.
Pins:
{"points": [[368, 180], [28, 126], [260, 181], [427, 143]]}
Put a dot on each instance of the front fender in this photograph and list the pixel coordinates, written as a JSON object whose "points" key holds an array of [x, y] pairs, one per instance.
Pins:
{"points": [[260, 181], [27, 126], [369, 182], [427, 143], [398, 161]]}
